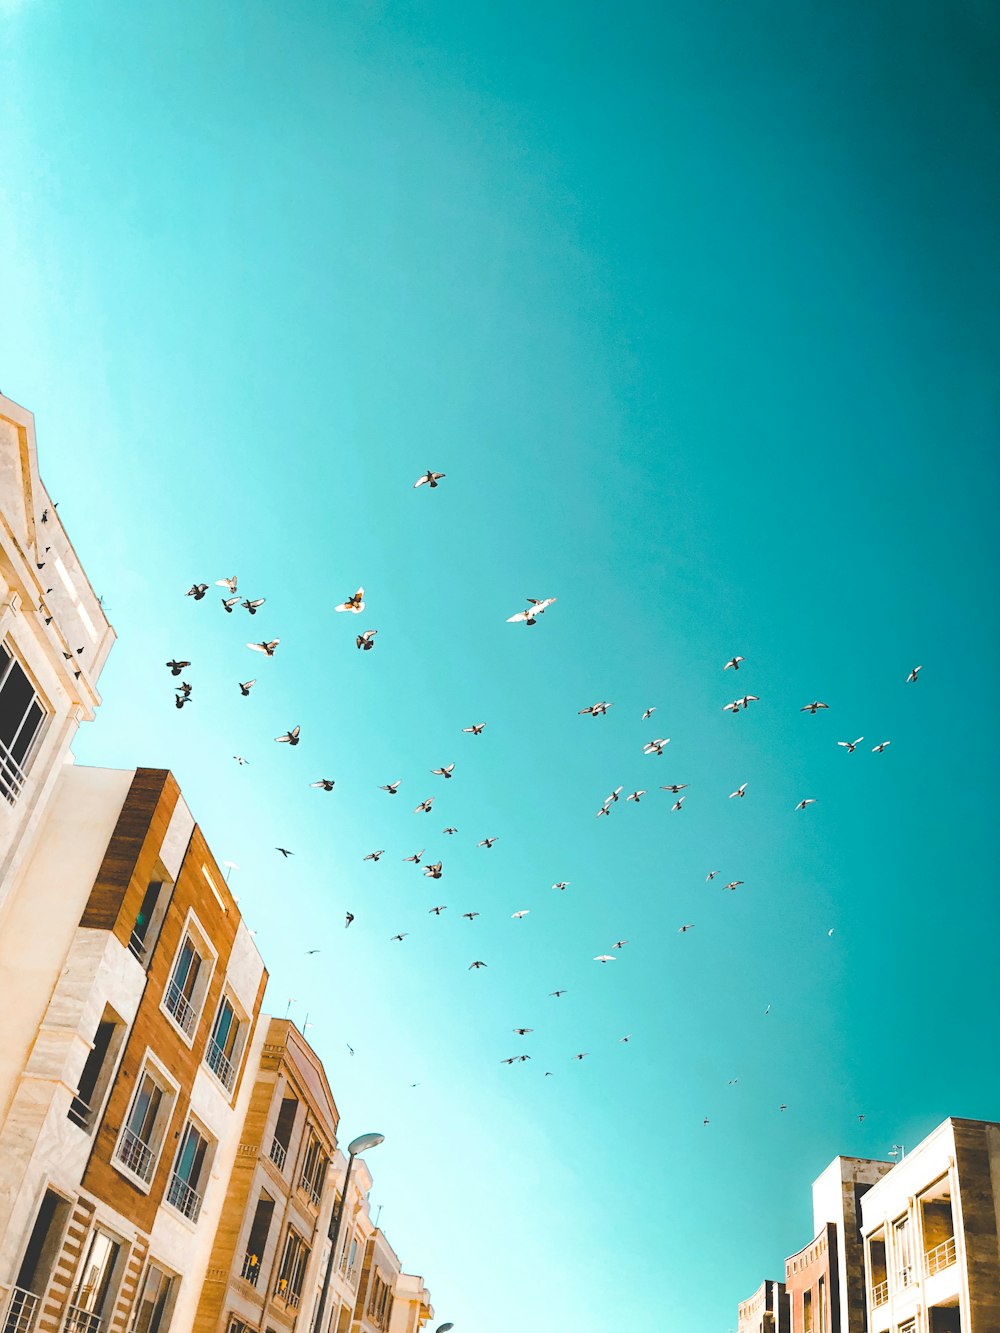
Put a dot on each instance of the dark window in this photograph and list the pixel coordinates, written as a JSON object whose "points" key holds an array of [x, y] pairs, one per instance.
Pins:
{"points": [[21, 716], [82, 1105]]}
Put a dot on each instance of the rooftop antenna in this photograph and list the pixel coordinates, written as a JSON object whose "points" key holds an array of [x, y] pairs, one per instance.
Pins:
{"points": [[291, 1001], [378, 1214], [230, 867], [897, 1150]]}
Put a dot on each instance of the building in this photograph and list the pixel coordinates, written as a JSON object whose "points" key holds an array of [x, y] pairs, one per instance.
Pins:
{"points": [[930, 1228], [766, 1311], [54, 641], [131, 990]]}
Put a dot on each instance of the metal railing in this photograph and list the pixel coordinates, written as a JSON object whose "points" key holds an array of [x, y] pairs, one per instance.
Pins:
{"points": [[880, 1293], [287, 1293], [220, 1065], [137, 945], [135, 1155], [277, 1154], [941, 1256], [82, 1321], [180, 1008], [906, 1278], [22, 1309], [251, 1269], [12, 775], [311, 1189], [184, 1197]]}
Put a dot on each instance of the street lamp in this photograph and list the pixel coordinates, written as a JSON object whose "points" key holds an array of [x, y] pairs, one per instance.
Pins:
{"points": [[443, 1328], [359, 1145]]}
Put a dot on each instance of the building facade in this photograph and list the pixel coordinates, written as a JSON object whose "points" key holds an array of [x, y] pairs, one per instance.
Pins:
{"points": [[133, 989], [766, 1311]]}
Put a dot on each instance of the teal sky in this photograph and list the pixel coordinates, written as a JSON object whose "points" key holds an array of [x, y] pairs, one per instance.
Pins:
{"points": [[697, 308]]}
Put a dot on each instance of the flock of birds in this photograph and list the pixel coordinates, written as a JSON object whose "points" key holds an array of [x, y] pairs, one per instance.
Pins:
{"points": [[529, 616]]}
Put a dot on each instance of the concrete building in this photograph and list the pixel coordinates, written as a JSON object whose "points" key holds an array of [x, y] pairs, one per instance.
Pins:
{"points": [[766, 1311], [930, 1229], [131, 990], [54, 641]]}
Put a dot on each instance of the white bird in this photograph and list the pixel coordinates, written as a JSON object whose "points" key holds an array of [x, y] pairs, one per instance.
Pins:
{"points": [[810, 800], [604, 810], [290, 737], [636, 795], [430, 479], [228, 604], [563, 884], [656, 747], [813, 707], [366, 641], [682, 929], [648, 713], [612, 799], [733, 885], [486, 842], [415, 858], [734, 662], [604, 958], [710, 876], [830, 932], [851, 746], [424, 808], [534, 609], [877, 749], [913, 674], [733, 708], [595, 710], [678, 804], [266, 648], [356, 604], [445, 772], [740, 791], [391, 787], [516, 916], [252, 606], [229, 583], [475, 730]]}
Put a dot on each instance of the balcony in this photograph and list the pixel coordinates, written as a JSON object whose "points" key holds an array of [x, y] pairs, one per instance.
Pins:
{"points": [[277, 1154], [82, 1321], [308, 1187], [135, 1155], [941, 1256], [179, 1008], [287, 1293], [184, 1197], [250, 1271], [880, 1294], [22, 1309], [220, 1065], [906, 1276], [12, 777]]}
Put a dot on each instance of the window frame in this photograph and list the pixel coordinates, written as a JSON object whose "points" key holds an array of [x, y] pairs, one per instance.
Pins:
{"points": [[12, 784], [234, 1061], [201, 943], [203, 1175], [169, 1089]]}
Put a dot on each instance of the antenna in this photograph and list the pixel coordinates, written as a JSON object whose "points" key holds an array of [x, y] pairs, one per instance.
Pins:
{"points": [[897, 1150], [291, 1001]]}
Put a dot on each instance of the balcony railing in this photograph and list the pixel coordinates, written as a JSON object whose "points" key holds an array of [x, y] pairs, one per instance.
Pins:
{"points": [[22, 1309], [177, 1004], [880, 1293], [135, 1155], [220, 1065], [309, 1186], [277, 1154], [137, 946], [184, 1197], [941, 1256], [82, 1321], [12, 777], [906, 1278], [251, 1269], [284, 1291]]}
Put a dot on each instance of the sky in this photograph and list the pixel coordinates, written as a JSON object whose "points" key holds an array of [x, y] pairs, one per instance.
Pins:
{"points": [[698, 310]]}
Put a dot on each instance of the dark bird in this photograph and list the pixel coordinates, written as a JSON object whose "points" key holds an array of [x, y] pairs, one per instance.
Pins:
{"points": [[675, 787], [437, 910], [246, 686], [523, 1032], [181, 699], [682, 929], [444, 772], [327, 784], [184, 688], [477, 963], [252, 606], [366, 641], [581, 1055], [391, 787], [433, 871], [197, 591], [266, 648], [374, 856], [401, 936], [557, 993], [177, 667], [469, 916], [45, 516], [449, 830], [415, 858], [813, 707], [284, 851], [228, 603], [348, 918], [240, 760], [486, 842], [290, 737]]}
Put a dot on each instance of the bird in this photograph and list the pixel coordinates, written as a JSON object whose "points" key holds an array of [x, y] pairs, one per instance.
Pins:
{"points": [[813, 707], [733, 885], [604, 810], [580, 1055], [733, 708], [734, 662], [437, 910], [710, 876], [401, 936], [252, 605], [312, 951], [563, 884], [486, 842], [240, 760], [767, 1011], [534, 609], [706, 1121], [229, 583], [911, 678], [433, 871], [327, 784], [556, 993], [375, 856], [348, 918], [860, 1118], [523, 1032], [366, 641], [877, 749], [350, 1048], [424, 808], [478, 963], [740, 791], [656, 747], [181, 699], [678, 804], [509, 1061], [290, 737], [595, 710], [619, 944], [809, 800], [627, 1037], [355, 604], [732, 1081], [449, 830], [284, 851], [391, 787], [228, 603], [415, 858], [429, 478], [648, 713], [636, 795], [177, 667], [830, 931], [682, 929], [475, 730], [782, 1107], [266, 648], [197, 591], [469, 916], [445, 772], [851, 746], [604, 958], [246, 686], [516, 916], [675, 787]]}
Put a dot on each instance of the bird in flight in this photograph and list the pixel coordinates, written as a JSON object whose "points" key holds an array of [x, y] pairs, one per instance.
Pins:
{"points": [[197, 591], [177, 667], [563, 884], [733, 885], [437, 910], [469, 916], [627, 1037], [356, 604], [516, 916], [348, 918], [284, 851], [534, 609], [604, 958], [430, 479], [604, 810], [228, 603], [656, 747], [523, 1032], [809, 800], [475, 730], [877, 749], [449, 830], [911, 678], [433, 871], [851, 746], [290, 737], [366, 641], [374, 856], [391, 787], [682, 929], [813, 707], [710, 876], [240, 760], [251, 605], [734, 662], [556, 993], [675, 787], [612, 799], [636, 795], [445, 772], [478, 963], [181, 699], [327, 784], [266, 648], [424, 808], [229, 583], [415, 858], [619, 944], [246, 686], [401, 936], [595, 710], [580, 1055], [648, 713], [679, 803], [740, 791], [782, 1107], [486, 842]]}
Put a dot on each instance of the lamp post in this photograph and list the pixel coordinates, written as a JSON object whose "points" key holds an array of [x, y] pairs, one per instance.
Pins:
{"points": [[356, 1146], [443, 1328]]}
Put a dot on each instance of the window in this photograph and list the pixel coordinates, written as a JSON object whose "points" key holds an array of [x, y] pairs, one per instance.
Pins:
{"points": [[21, 717], [901, 1238], [96, 1073], [190, 1170], [293, 1265], [314, 1167], [807, 1312], [152, 1312], [257, 1240], [37, 1262], [93, 1295], [180, 997], [349, 1257], [283, 1131], [148, 920], [142, 1133], [380, 1303], [224, 1045]]}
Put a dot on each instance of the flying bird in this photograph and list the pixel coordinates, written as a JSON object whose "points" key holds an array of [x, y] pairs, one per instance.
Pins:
{"points": [[656, 747], [648, 713], [437, 910], [469, 916], [177, 667], [556, 993], [810, 800], [851, 746], [246, 686], [229, 583], [401, 936], [604, 958], [675, 787], [266, 648], [366, 641], [449, 830], [705, 1121], [580, 1055], [740, 791], [445, 772], [733, 885], [619, 944], [734, 662], [348, 918], [627, 1037], [197, 591], [913, 674], [433, 871], [516, 916], [595, 710], [534, 609], [710, 876], [877, 749], [523, 1032], [478, 963], [415, 858], [252, 605], [475, 730], [181, 699], [424, 808], [228, 603], [240, 760], [290, 737], [430, 479], [327, 784], [635, 795], [391, 787], [604, 810], [486, 842], [679, 803], [813, 707], [563, 884], [682, 929], [356, 604], [782, 1107], [374, 856], [284, 851]]}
